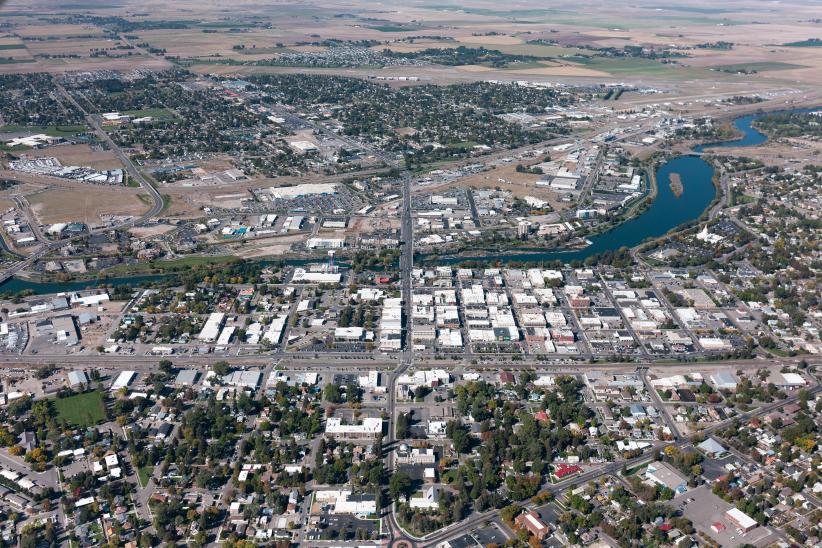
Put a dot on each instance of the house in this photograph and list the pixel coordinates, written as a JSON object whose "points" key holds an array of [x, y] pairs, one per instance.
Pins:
{"points": [[531, 522], [28, 441]]}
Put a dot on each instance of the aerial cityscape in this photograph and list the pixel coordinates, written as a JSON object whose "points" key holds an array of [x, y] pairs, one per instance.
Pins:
{"points": [[453, 274]]}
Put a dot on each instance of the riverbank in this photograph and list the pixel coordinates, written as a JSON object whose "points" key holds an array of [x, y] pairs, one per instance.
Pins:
{"points": [[658, 214]]}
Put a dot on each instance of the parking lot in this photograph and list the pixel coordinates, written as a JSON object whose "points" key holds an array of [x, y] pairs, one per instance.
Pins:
{"points": [[704, 508], [484, 536]]}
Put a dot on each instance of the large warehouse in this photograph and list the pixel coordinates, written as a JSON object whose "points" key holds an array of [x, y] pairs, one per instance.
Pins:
{"points": [[298, 191]]}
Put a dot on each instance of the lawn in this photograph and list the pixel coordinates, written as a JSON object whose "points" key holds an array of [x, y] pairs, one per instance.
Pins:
{"points": [[84, 409], [143, 474]]}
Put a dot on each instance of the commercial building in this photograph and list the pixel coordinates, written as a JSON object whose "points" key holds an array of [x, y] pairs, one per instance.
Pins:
{"points": [[186, 377], [77, 378], [371, 428], [212, 327], [531, 522], [243, 379], [663, 474], [428, 499], [302, 276], [123, 380], [325, 243], [724, 380], [416, 455], [712, 448], [344, 502], [741, 520], [307, 189], [349, 334], [275, 330]]}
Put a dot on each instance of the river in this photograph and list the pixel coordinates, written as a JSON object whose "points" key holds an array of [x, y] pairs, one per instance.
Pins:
{"points": [[664, 214]]}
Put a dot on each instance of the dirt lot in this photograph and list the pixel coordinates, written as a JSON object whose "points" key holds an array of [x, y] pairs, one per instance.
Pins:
{"points": [[149, 231], [268, 247], [519, 184], [91, 207], [80, 155]]}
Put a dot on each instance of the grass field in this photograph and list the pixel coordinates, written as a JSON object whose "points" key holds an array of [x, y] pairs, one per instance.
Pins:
{"points": [[764, 66], [809, 43], [85, 409], [156, 113], [54, 131], [616, 66]]}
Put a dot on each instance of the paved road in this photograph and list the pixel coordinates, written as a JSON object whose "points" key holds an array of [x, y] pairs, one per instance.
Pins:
{"points": [[612, 468], [131, 169], [659, 404]]}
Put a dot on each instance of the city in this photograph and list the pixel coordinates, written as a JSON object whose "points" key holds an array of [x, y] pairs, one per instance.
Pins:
{"points": [[442, 276]]}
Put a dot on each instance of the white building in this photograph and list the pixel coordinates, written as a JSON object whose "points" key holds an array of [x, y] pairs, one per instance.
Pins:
{"points": [[123, 380], [212, 327], [428, 499], [371, 428], [306, 189]]}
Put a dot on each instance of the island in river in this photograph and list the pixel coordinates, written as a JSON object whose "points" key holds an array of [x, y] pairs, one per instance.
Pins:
{"points": [[676, 184]]}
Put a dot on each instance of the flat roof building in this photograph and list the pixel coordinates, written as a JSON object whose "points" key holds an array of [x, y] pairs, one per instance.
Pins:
{"points": [[186, 377], [663, 474], [123, 380], [741, 520], [212, 327], [371, 428]]}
